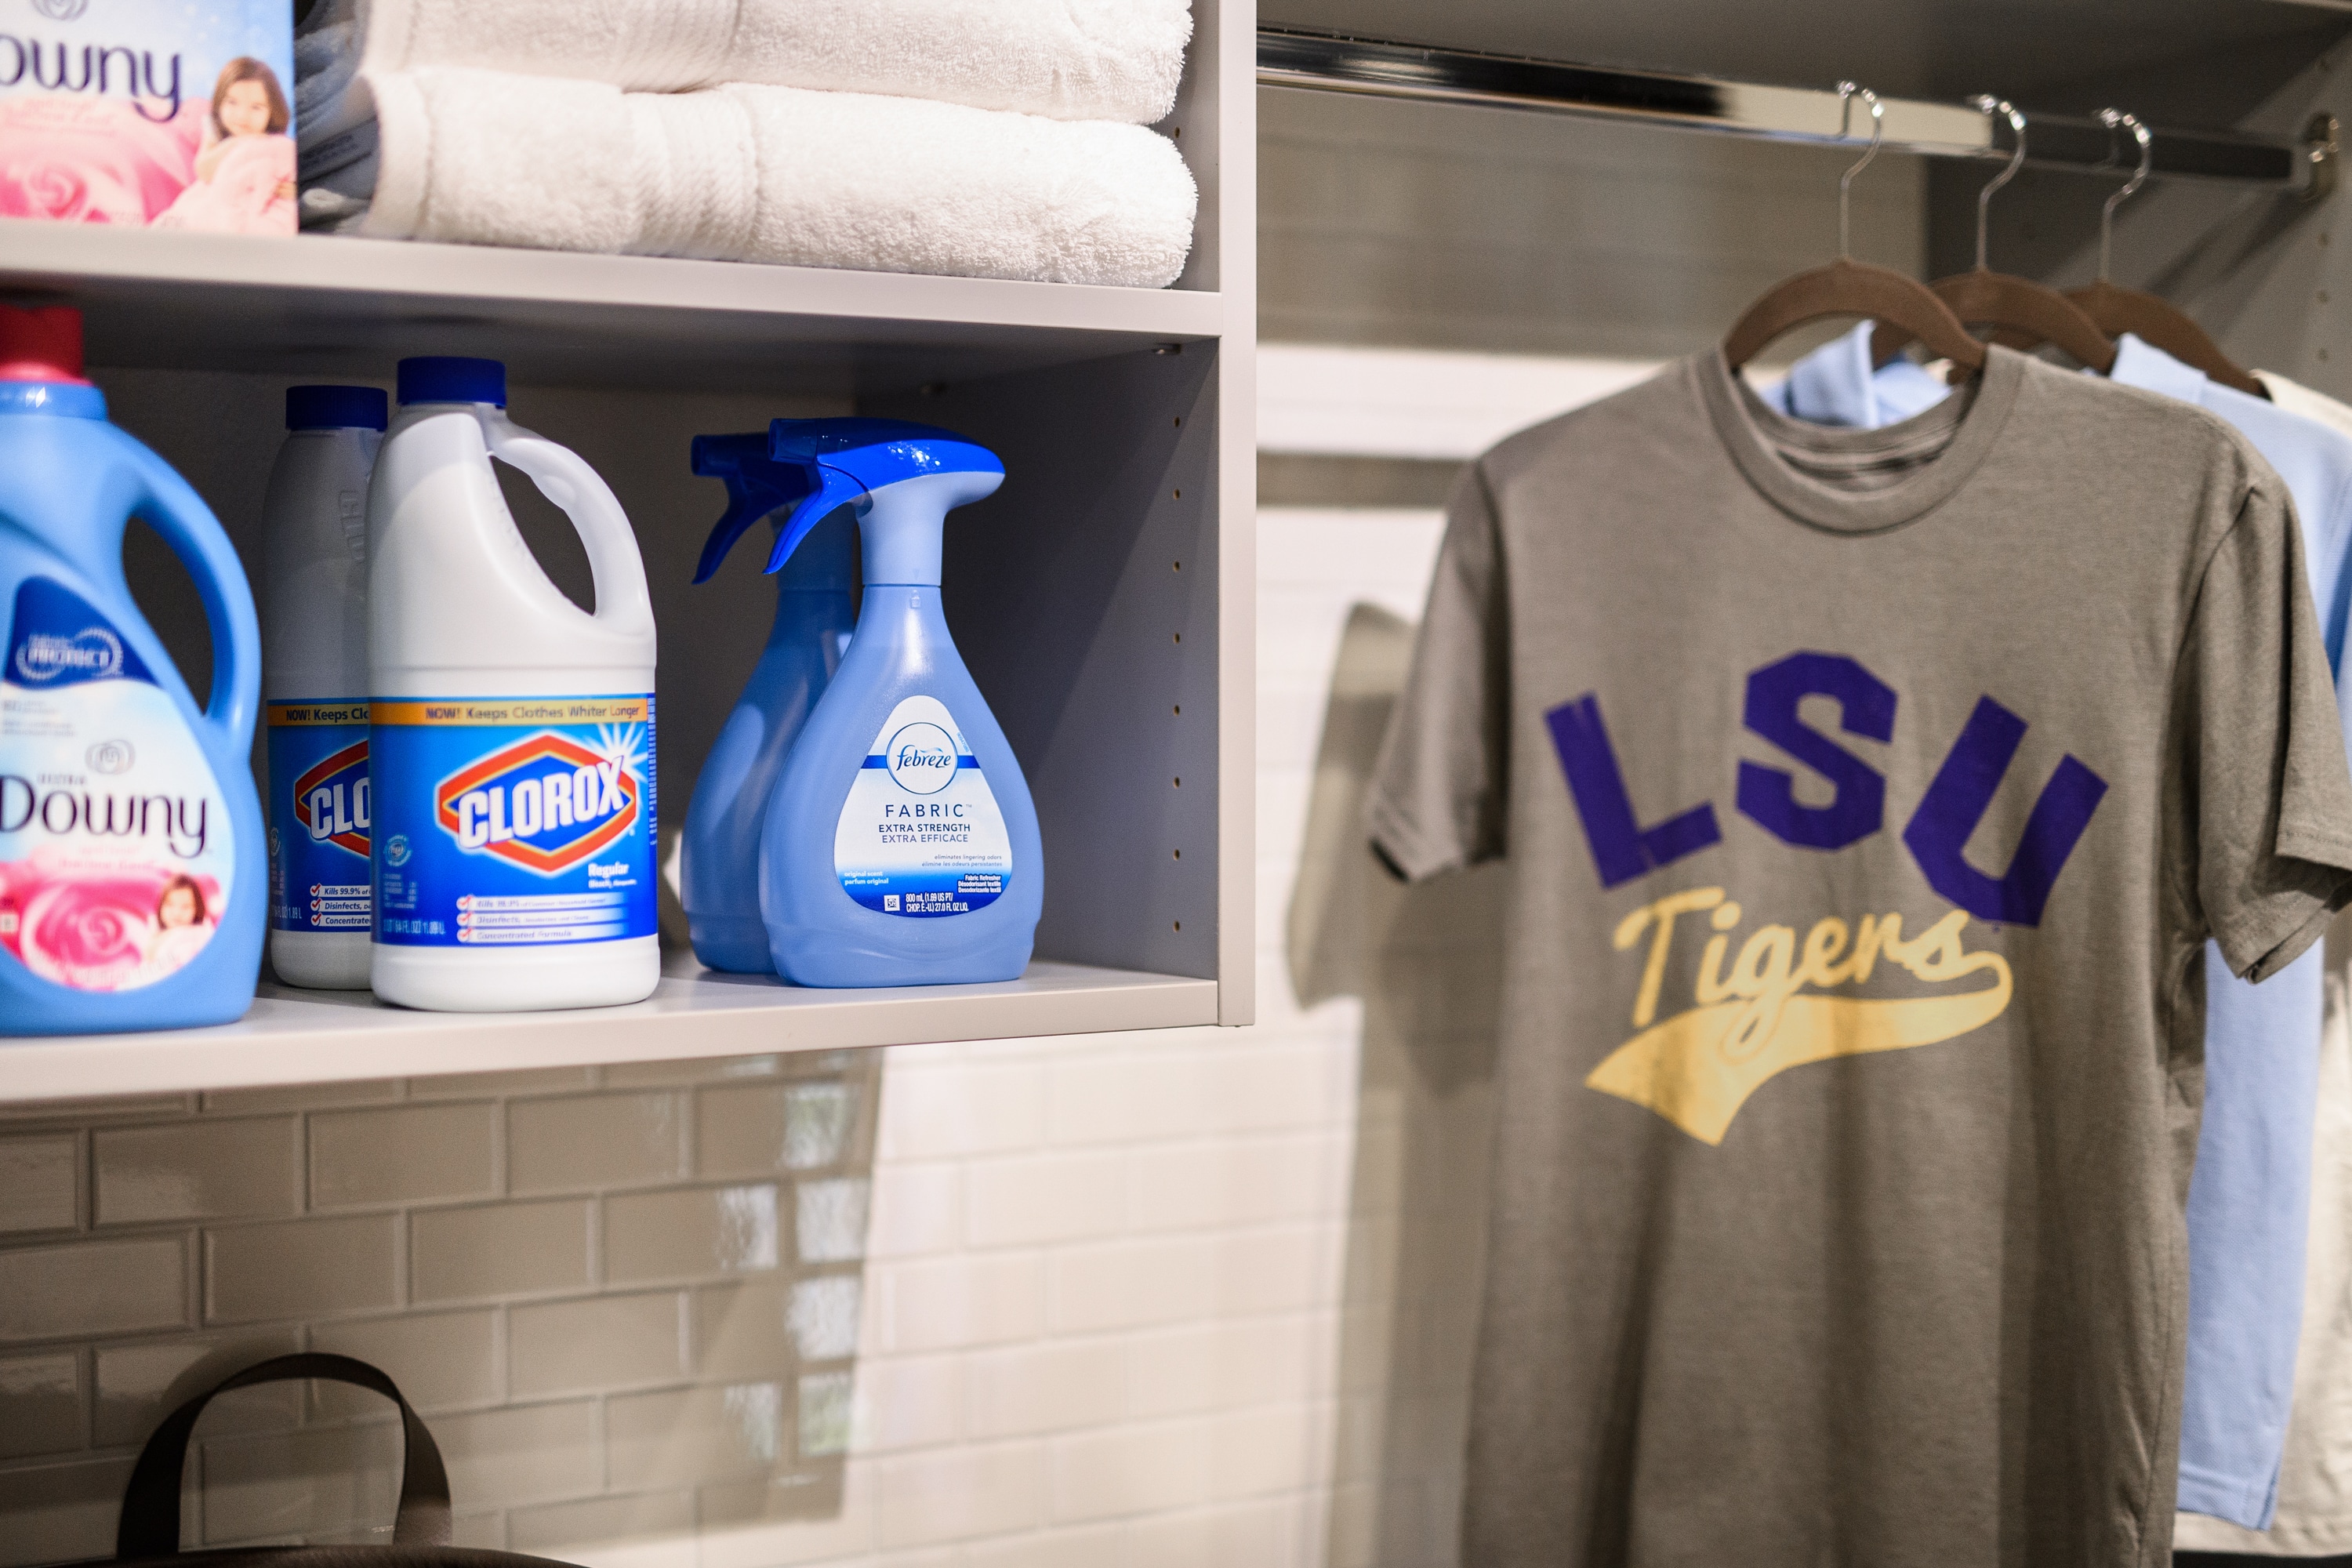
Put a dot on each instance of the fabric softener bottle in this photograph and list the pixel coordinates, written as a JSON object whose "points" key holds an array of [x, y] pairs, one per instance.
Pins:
{"points": [[315, 681], [512, 732], [900, 847], [133, 878], [719, 870]]}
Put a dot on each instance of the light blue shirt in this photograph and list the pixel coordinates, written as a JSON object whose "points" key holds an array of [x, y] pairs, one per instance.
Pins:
{"points": [[2250, 1198]]}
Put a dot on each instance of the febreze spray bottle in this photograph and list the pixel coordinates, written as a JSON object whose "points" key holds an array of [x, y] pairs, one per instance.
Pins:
{"points": [[719, 870], [314, 679], [511, 744], [900, 847], [132, 874]]}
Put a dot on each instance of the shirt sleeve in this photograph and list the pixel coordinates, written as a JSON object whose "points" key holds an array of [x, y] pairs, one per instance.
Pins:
{"points": [[2266, 794], [1439, 791]]}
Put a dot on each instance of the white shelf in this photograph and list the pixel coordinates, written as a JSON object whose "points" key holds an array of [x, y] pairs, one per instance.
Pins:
{"points": [[324, 1036], [319, 303]]}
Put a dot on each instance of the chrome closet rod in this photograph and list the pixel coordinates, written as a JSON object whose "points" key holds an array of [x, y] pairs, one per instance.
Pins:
{"points": [[1332, 63]]}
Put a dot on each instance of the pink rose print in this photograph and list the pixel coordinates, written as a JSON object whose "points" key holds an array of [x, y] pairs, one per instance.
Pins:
{"points": [[93, 160], [103, 925]]}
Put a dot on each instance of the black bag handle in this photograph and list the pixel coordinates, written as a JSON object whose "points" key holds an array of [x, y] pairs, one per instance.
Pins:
{"points": [[151, 1503]]}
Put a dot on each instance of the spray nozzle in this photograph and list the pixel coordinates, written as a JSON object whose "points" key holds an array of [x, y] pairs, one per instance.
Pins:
{"points": [[848, 462], [757, 486]]}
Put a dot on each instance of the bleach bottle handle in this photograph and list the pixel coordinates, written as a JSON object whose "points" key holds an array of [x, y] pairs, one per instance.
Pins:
{"points": [[580, 492], [167, 504]]}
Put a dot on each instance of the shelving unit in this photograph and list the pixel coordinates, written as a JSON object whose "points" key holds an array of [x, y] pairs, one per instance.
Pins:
{"points": [[1103, 599]]}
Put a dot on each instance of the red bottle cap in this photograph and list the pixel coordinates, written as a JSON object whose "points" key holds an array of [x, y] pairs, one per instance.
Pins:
{"points": [[42, 344]]}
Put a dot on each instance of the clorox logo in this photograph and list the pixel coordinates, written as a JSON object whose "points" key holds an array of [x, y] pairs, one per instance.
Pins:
{"points": [[546, 804], [330, 801]]}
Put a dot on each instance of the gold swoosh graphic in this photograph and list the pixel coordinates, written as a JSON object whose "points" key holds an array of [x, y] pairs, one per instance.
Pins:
{"points": [[1688, 1070]]}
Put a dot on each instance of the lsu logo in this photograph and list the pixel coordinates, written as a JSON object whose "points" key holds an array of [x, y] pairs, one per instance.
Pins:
{"points": [[1794, 994], [330, 801], [546, 804]]}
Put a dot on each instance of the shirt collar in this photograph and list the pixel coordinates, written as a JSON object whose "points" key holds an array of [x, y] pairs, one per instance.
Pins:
{"points": [[2142, 364], [1836, 384]]}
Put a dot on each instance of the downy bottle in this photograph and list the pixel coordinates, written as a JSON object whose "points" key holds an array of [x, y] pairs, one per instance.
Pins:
{"points": [[900, 846], [719, 869], [314, 681], [133, 880], [512, 732]]}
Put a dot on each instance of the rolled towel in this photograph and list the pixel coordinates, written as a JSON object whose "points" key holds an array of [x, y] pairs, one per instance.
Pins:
{"points": [[777, 174], [1065, 60]]}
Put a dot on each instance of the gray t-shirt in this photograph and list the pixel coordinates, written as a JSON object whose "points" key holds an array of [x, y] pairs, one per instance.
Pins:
{"points": [[1868, 795]]}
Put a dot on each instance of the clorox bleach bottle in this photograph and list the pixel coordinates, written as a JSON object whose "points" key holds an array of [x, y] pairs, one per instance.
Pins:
{"points": [[133, 873], [720, 863], [511, 746], [314, 679], [900, 847]]}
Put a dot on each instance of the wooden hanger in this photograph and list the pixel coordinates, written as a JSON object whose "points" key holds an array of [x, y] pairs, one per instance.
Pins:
{"points": [[2159, 322], [2023, 313], [1849, 288]]}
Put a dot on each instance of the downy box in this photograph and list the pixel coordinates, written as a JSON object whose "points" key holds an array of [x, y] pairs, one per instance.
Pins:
{"points": [[156, 114]]}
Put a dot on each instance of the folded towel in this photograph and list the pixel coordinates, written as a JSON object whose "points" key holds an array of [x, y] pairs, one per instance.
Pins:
{"points": [[771, 173], [326, 57], [1067, 59]]}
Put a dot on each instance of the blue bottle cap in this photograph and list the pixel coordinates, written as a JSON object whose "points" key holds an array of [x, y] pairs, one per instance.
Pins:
{"points": [[62, 398], [442, 378], [335, 408]]}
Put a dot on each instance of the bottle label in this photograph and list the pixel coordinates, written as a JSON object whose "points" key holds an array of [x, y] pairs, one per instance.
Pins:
{"points": [[319, 816], [920, 834], [513, 821], [116, 853]]}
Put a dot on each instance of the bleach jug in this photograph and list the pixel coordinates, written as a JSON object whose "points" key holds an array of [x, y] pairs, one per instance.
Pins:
{"points": [[900, 846], [314, 684], [719, 870], [133, 873], [511, 746]]}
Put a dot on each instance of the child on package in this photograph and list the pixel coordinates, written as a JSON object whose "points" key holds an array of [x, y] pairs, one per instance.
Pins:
{"points": [[183, 926], [245, 174]]}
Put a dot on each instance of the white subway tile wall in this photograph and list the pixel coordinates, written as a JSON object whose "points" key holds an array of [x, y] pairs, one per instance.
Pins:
{"points": [[147, 1249]]}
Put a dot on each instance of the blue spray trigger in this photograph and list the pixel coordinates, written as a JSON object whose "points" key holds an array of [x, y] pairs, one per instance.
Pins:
{"points": [[757, 486], [878, 452], [851, 462], [833, 489]]}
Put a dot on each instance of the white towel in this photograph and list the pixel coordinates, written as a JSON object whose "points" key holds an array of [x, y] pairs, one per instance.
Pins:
{"points": [[777, 174], [1067, 59]]}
